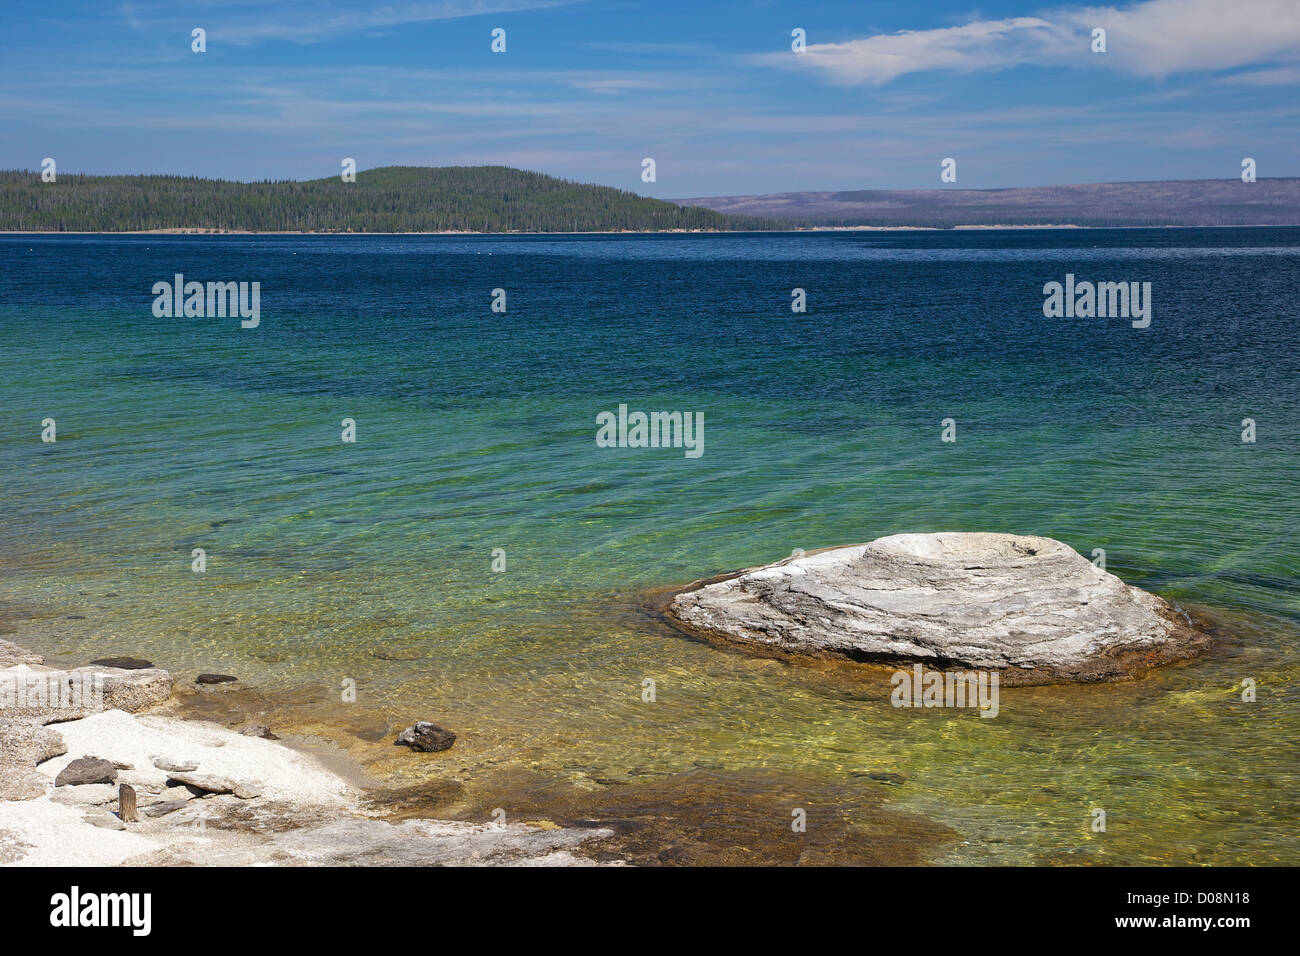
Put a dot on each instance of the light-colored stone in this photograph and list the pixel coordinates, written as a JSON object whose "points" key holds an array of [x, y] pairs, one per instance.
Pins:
{"points": [[35, 693], [87, 794], [25, 742], [145, 781], [132, 690], [214, 783], [174, 764], [1031, 608]]}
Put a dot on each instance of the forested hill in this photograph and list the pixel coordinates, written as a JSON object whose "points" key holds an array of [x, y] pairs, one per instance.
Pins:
{"points": [[390, 199]]}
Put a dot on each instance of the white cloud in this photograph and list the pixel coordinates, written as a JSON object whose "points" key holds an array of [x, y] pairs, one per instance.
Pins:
{"points": [[1154, 38], [1160, 37], [982, 45]]}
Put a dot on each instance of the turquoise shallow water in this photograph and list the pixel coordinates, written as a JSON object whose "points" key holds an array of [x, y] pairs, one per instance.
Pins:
{"points": [[372, 561]]}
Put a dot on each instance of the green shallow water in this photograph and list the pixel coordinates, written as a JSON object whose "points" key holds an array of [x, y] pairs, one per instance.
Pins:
{"points": [[371, 562]]}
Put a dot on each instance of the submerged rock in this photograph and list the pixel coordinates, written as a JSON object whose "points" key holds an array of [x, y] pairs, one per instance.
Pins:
{"points": [[123, 663], [215, 679], [1031, 608], [893, 779], [426, 737]]}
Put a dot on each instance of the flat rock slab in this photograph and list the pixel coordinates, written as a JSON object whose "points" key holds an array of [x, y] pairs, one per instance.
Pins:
{"points": [[45, 694], [1031, 608], [86, 770], [90, 794], [175, 764], [130, 689]]}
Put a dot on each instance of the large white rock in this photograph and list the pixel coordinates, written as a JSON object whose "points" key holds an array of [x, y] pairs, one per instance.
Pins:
{"points": [[1031, 608]]}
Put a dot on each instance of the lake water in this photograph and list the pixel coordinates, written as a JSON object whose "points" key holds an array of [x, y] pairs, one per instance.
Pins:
{"points": [[372, 561]]}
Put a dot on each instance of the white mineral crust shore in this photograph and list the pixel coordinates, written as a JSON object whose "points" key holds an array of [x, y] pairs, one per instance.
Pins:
{"points": [[259, 802]]}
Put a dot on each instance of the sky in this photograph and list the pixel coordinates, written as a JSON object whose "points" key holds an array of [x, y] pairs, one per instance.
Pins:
{"points": [[712, 90]]}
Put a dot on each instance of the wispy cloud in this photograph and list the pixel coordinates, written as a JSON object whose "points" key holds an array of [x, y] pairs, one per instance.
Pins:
{"points": [[1154, 38], [244, 24], [1283, 76]]}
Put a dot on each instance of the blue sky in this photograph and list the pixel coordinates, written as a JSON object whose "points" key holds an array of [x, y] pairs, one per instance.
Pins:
{"points": [[711, 90]]}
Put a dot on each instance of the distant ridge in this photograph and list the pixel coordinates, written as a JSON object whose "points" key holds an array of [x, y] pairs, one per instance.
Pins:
{"points": [[500, 199], [388, 199], [1190, 202]]}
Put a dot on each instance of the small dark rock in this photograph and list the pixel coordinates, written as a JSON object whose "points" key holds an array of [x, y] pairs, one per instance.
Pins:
{"points": [[426, 737], [215, 679], [124, 663], [259, 730], [86, 770]]}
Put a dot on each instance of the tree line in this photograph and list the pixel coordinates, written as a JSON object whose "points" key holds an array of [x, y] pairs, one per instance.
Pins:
{"points": [[391, 199]]}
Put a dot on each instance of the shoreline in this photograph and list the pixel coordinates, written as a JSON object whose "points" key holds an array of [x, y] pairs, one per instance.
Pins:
{"points": [[961, 227], [209, 794], [435, 815]]}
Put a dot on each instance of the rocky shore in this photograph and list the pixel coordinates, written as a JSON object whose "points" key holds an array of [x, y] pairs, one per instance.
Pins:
{"points": [[1029, 608], [91, 775]]}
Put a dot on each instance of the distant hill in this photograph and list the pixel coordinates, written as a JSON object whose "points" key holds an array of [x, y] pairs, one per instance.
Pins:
{"points": [[1192, 202], [390, 199]]}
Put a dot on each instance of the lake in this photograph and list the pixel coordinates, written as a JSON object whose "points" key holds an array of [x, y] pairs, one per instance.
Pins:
{"points": [[475, 557]]}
